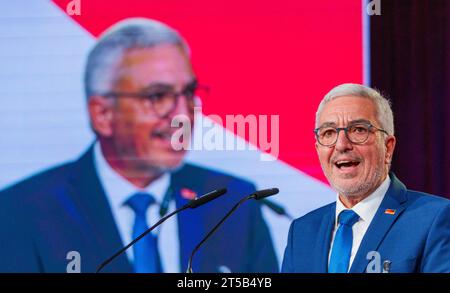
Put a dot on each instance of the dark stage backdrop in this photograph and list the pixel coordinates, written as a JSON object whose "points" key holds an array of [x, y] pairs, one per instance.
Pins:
{"points": [[410, 43]]}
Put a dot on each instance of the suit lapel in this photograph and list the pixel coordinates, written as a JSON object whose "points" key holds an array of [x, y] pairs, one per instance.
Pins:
{"points": [[90, 196], [190, 223], [381, 223], [324, 239]]}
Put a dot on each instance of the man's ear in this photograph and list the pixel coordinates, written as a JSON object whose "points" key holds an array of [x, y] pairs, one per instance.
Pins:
{"points": [[390, 146], [101, 115]]}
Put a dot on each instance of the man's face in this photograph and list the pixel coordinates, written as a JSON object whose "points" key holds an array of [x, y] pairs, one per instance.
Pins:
{"points": [[365, 165], [139, 136]]}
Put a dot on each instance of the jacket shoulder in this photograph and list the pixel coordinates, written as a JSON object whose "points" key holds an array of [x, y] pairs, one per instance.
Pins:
{"points": [[315, 217], [426, 201], [425, 210], [195, 172], [40, 182]]}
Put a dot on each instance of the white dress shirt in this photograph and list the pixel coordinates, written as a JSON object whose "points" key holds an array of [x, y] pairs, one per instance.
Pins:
{"points": [[366, 210], [118, 190]]}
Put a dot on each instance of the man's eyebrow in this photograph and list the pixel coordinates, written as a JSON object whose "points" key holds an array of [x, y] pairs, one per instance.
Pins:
{"points": [[157, 86], [357, 121], [328, 124], [352, 122], [166, 86]]}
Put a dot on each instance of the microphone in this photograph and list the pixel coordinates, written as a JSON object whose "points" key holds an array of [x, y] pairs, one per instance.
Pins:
{"points": [[191, 204], [260, 194], [206, 198]]}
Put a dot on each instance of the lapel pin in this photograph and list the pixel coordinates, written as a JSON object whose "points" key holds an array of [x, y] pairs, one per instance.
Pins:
{"points": [[187, 193], [389, 212], [387, 266]]}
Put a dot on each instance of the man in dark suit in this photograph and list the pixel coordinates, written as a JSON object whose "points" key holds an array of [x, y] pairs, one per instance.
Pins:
{"points": [[376, 224], [138, 78]]}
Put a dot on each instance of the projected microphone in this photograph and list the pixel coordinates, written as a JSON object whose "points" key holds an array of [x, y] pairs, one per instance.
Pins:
{"points": [[260, 194], [191, 204], [276, 208]]}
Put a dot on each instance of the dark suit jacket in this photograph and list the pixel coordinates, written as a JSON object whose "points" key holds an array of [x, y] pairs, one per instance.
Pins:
{"points": [[416, 238], [65, 209]]}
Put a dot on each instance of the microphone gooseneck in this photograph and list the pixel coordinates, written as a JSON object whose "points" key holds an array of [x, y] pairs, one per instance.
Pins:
{"points": [[256, 195], [192, 205], [276, 208]]}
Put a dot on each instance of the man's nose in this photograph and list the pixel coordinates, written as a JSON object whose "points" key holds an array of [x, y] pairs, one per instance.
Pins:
{"points": [[343, 143]]}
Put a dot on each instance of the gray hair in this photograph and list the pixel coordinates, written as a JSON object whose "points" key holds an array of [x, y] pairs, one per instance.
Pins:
{"points": [[105, 56], [383, 107]]}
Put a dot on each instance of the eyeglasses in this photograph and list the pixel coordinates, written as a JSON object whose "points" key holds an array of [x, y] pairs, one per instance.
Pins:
{"points": [[163, 101], [357, 133]]}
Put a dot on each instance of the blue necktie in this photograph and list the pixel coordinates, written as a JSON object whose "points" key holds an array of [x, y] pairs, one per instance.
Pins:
{"points": [[146, 255], [343, 240]]}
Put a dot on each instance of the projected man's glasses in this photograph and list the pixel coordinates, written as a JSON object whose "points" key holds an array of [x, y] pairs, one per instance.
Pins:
{"points": [[162, 99]]}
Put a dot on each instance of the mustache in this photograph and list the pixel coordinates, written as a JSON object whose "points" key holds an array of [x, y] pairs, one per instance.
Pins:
{"points": [[347, 157]]}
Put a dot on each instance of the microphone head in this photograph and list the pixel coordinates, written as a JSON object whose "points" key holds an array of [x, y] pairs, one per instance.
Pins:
{"points": [[206, 198], [260, 194]]}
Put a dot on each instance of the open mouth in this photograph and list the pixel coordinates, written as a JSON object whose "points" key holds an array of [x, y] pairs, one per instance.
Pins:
{"points": [[161, 134], [344, 164], [163, 139]]}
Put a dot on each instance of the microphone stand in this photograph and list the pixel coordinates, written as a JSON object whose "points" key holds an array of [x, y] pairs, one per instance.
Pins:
{"points": [[162, 220], [258, 195], [189, 269], [192, 204]]}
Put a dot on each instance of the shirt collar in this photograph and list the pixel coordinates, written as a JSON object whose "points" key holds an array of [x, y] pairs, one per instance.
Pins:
{"points": [[367, 208], [118, 189]]}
